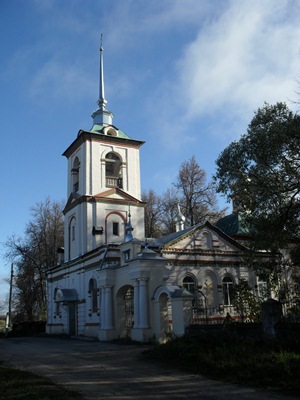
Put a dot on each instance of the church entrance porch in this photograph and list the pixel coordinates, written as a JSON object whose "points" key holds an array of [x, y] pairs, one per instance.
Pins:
{"points": [[172, 311]]}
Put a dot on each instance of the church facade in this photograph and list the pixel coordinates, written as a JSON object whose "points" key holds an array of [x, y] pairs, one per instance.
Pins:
{"points": [[110, 282]]}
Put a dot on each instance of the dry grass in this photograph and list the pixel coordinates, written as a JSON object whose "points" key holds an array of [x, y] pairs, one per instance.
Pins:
{"points": [[22, 385]]}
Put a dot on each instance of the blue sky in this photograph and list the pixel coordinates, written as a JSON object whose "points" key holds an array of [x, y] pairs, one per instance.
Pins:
{"points": [[184, 75]]}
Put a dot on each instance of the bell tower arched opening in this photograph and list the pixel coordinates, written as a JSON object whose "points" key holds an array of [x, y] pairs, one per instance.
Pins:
{"points": [[113, 174], [72, 234], [75, 175]]}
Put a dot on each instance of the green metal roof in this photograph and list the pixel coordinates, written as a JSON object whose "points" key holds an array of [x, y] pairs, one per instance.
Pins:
{"points": [[233, 224], [99, 129]]}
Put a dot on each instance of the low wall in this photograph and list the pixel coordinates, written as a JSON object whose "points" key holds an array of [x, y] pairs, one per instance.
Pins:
{"points": [[28, 328], [253, 330]]}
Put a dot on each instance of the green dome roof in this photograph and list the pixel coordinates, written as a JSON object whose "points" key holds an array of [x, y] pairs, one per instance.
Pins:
{"points": [[96, 128], [233, 224]]}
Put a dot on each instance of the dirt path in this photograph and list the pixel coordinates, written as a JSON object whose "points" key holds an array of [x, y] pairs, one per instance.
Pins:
{"points": [[111, 371]]}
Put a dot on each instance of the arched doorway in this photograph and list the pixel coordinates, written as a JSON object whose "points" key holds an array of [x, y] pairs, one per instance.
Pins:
{"points": [[125, 311], [172, 311], [165, 316]]}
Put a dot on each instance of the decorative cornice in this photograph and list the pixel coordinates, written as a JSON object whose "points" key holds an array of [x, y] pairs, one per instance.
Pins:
{"points": [[99, 198], [84, 136]]}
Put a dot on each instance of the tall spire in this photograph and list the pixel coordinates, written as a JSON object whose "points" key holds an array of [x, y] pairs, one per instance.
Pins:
{"points": [[102, 116], [101, 102]]}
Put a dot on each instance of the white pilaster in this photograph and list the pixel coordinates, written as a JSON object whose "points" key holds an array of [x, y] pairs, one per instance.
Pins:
{"points": [[108, 308], [102, 308], [143, 304], [136, 300]]}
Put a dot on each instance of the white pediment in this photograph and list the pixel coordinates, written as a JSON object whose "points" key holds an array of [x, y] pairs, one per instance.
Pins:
{"points": [[204, 237], [117, 194]]}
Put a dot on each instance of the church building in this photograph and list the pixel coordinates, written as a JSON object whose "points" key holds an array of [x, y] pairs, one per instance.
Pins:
{"points": [[110, 282]]}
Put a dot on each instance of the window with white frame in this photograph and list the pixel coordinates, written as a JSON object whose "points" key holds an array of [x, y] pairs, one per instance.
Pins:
{"points": [[189, 283], [227, 284]]}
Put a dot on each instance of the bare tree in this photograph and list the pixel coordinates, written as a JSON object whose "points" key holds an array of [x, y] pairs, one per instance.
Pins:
{"points": [[170, 202], [33, 255], [198, 197], [153, 211]]}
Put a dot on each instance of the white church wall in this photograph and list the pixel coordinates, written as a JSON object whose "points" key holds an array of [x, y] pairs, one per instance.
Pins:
{"points": [[88, 240], [134, 184]]}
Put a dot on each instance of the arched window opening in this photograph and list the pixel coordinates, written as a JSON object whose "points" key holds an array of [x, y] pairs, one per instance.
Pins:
{"points": [[115, 227], [111, 132], [72, 238], [94, 295], [113, 170], [75, 175], [227, 284], [189, 284], [207, 240]]}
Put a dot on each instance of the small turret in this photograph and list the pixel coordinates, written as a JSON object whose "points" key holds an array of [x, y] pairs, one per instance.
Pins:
{"points": [[179, 220], [129, 229]]}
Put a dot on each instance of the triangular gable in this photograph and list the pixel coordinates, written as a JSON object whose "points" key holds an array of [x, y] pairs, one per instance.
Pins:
{"points": [[116, 193], [110, 195], [72, 199], [203, 237]]}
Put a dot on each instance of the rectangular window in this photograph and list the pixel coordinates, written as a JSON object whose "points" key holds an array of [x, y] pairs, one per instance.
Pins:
{"points": [[73, 232], [127, 255], [115, 228]]}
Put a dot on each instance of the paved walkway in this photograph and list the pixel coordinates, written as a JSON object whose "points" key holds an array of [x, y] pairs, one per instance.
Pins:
{"points": [[115, 372]]}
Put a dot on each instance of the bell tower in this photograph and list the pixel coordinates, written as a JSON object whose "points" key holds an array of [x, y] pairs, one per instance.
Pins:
{"points": [[103, 184]]}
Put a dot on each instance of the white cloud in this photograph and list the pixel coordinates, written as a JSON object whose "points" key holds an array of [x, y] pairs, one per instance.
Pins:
{"points": [[238, 54], [248, 56], [56, 80]]}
